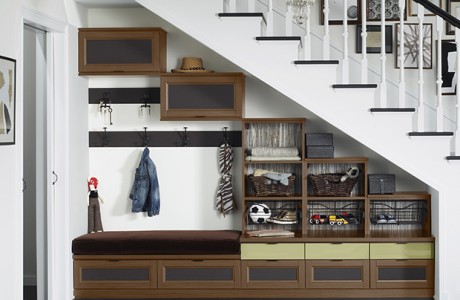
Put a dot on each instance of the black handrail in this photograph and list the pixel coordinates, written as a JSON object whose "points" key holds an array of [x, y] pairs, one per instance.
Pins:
{"points": [[439, 12]]}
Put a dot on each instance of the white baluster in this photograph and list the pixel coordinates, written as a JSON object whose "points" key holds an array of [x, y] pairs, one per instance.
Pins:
{"points": [[383, 57], [421, 105], [288, 19], [364, 64], [439, 108], [229, 6], [307, 39], [457, 103], [326, 39], [345, 44], [269, 18], [251, 6], [402, 81]]}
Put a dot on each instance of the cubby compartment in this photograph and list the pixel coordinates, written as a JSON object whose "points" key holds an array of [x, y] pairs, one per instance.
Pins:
{"points": [[399, 215], [273, 215], [335, 218]]}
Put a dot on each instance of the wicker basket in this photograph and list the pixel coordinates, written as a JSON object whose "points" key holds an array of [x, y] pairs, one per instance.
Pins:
{"points": [[330, 185], [274, 188]]}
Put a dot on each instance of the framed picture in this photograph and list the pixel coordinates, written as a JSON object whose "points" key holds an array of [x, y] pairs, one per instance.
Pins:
{"points": [[7, 100], [336, 12], [410, 46], [449, 67], [451, 7], [391, 10], [374, 38], [413, 7]]}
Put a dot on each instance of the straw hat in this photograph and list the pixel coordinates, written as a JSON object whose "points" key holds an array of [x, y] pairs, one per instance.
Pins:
{"points": [[191, 65]]}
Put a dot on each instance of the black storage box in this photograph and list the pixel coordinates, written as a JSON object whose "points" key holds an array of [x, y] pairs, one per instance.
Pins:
{"points": [[381, 183], [319, 139], [320, 151]]}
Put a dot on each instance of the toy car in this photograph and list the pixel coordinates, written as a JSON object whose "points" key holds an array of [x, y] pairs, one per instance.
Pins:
{"points": [[318, 219], [333, 219]]}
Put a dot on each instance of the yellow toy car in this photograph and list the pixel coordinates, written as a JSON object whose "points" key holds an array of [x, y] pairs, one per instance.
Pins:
{"points": [[339, 220]]}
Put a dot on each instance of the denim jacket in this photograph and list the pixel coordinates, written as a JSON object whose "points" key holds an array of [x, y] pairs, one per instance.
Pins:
{"points": [[145, 193]]}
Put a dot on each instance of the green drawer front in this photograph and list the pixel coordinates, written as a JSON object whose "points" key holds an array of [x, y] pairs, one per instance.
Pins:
{"points": [[337, 251], [273, 251], [402, 251]]}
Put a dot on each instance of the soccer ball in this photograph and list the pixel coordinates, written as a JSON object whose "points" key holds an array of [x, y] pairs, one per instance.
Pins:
{"points": [[259, 213]]}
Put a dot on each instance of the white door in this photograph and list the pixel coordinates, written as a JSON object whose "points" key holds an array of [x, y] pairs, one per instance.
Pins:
{"points": [[37, 144]]}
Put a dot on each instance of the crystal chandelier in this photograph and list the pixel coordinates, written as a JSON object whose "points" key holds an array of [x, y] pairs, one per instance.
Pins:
{"points": [[299, 9]]}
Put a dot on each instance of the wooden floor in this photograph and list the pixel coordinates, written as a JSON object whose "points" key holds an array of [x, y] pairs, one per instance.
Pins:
{"points": [[30, 292]]}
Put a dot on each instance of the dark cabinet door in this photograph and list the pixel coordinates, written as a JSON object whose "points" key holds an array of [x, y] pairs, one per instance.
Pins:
{"points": [[403, 274], [267, 274], [338, 274], [121, 51], [210, 96]]}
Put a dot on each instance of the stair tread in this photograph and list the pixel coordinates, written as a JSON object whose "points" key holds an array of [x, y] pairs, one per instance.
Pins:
{"points": [[248, 14], [431, 133], [316, 62], [278, 38], [453, 157], [355, 86], [395, 109]]}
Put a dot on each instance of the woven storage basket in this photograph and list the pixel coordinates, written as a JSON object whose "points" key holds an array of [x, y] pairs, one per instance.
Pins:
{"points": [[274, 188], [330, 185]]}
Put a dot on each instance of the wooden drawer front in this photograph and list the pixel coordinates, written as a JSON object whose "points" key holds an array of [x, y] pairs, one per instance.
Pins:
{"points": [[337, 251], [273, 251], [204, 274], [338, 274], [404, 274], [401, 251], [273, 274], [103, 274]]}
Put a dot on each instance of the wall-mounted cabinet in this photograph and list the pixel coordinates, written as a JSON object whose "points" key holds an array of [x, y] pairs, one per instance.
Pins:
{"points": [[121, 51], [202, 96]]}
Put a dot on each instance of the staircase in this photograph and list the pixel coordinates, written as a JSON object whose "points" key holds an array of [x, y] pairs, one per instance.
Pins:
{"points": [[353, 108]]}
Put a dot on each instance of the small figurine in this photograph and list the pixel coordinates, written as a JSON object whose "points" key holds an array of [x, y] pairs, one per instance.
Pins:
{"points": [[94, 212]]}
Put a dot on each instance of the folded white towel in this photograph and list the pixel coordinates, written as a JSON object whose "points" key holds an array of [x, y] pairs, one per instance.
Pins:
{"points": [[274, 151], [273, 158]]}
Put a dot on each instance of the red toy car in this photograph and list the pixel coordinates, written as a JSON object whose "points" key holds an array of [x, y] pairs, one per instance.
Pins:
{"points": [[318, 219]]}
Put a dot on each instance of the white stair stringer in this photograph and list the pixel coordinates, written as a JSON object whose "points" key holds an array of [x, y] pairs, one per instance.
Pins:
{"points": [[348, 110]]}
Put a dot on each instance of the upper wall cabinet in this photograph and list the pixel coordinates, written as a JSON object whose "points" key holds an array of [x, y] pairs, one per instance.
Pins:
{"points": [[203, 96], [121, 51]]}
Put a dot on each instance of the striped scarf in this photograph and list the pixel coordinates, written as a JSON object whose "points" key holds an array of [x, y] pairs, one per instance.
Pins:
{"points": [[225, 198]]}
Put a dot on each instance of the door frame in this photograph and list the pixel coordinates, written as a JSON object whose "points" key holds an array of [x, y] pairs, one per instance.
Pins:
{"points": [[59, 259]]}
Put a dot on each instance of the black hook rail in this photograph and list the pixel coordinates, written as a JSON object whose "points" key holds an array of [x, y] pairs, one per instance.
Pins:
{"points": [[162, 138], [439, 12]]}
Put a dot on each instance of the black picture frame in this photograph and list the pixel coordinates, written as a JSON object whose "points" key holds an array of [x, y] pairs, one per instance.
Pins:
{"points": [[410, 47], [7, 100], [451, 6], [373, 10], [374, 34], [449, 82], [354, 9]]}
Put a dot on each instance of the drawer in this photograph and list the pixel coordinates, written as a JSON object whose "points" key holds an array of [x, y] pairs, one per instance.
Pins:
{"points": [[337, 251], [260, 274], [401, 251], [273, 251], [114, 274], [337, 274], [199, 274], [402, 274]]}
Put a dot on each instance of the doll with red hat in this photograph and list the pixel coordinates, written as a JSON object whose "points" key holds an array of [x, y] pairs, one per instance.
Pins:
{"points": [[94, 211]]}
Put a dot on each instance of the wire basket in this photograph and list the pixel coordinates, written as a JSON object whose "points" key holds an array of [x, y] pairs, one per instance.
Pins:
{"points": [[267, 187], [331, 185]]}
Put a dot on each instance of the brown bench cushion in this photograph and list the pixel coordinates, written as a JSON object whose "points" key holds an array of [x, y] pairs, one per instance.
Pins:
{"points": [[178, 242]]}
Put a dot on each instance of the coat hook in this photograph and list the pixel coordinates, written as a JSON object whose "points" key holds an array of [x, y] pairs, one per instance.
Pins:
{"points": [[225, 135], [146, 138], [185, 138], [104, 106], [105, 138], [146, 105]]}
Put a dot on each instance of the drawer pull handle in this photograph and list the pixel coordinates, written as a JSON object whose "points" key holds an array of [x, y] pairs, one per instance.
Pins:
{"points": [[198, 260], [337, 243], [401, 243]]}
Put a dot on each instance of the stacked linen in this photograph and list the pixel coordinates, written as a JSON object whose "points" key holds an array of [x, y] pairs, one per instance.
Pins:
{"points": [[273, 153]]}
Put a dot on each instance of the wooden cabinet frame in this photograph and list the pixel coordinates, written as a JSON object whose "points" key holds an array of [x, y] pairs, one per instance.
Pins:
{"points": [[426, 283], [297, 265], [233, 112], [336, 265], [156, 37]]}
